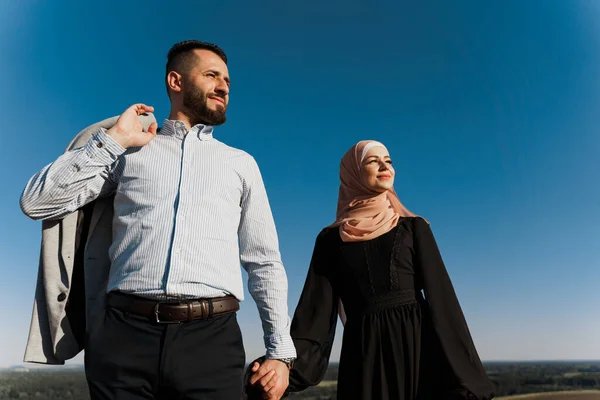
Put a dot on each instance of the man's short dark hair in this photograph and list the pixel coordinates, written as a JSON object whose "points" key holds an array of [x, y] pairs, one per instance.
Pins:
{"points": [[181, 57]]}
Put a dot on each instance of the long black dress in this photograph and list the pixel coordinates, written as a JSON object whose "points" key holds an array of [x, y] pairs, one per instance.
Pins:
{"points": [[396, 344]]}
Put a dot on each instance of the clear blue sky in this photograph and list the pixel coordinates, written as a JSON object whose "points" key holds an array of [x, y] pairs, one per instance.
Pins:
{"points": [[490, 111]]}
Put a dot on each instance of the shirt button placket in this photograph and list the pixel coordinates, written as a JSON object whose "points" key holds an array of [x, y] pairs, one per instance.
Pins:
{"points": [[179, 240]]}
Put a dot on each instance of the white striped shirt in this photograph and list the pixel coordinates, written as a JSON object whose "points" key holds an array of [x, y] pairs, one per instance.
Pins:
{"points": [[188, 210]]}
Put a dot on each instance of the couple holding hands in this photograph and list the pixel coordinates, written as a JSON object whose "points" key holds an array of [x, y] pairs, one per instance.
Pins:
{"points": [[143, 233]]}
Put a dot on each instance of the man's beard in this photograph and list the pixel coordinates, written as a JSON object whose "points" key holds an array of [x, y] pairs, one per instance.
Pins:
{"points": [[196, 104]]}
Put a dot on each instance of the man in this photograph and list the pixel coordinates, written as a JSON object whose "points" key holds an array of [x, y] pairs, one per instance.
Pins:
{"points": [[187, 209]]}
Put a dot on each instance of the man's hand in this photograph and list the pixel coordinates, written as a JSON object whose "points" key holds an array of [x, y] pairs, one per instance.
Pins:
{"points": [[273, 376], [128, 131]]}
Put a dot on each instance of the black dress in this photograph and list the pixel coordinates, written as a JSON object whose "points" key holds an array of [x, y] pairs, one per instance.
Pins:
{"points": [[397, 344]]}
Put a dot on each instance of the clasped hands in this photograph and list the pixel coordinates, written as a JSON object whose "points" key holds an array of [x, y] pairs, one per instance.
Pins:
{"points": [[272, 376]]}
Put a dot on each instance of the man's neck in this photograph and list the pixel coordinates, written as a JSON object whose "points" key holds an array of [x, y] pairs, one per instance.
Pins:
{"points": [[179, 116]]}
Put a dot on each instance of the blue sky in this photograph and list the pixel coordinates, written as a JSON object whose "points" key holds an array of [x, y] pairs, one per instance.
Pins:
{"points": [[490, 111]]}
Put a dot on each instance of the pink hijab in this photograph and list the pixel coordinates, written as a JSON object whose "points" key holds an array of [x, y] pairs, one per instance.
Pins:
{"points": [[363, 214]]}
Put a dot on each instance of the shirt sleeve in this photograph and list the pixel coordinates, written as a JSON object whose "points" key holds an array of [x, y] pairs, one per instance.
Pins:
{"points": [[76, 178], [260, 257]]}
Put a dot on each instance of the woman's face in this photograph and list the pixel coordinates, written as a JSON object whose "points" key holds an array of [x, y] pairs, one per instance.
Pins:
{"points": [[376, 170]]}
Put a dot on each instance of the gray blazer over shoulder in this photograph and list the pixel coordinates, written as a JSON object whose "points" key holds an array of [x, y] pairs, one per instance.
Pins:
{"points": [[73, 272]]}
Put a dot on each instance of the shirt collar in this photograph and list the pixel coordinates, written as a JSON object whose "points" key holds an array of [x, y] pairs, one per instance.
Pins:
{"points": [[178, 129]]}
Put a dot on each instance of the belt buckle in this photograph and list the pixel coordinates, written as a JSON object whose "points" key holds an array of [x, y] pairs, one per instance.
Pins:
{"points": [[156, 317]]}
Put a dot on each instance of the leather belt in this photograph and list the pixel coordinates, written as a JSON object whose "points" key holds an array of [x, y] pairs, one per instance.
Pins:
{"points": [[165, 312]]}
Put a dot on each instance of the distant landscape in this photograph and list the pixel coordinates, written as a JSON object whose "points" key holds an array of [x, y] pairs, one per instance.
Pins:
{"points": [[548, 380], [570, 395]]}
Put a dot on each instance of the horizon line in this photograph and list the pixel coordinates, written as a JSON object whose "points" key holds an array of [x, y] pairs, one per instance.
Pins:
{"points": [[81, 365]]}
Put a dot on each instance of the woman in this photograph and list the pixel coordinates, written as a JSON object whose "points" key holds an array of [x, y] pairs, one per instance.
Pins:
{"points": [[375, 260]]}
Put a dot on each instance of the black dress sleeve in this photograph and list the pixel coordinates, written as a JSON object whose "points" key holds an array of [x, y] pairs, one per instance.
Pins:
{"points": [[468, 379], [315, 319]]}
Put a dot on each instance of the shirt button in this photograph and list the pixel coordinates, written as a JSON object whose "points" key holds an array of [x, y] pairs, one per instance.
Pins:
{"points": [[62, 297], [99, 145], [75, 168]]}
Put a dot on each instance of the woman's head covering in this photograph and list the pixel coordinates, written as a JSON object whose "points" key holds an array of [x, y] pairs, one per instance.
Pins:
{"points": [[363, 214]]}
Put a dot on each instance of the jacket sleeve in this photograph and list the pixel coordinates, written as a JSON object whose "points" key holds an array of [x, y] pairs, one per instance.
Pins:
{"points": [[466, 377], [314, 322]]}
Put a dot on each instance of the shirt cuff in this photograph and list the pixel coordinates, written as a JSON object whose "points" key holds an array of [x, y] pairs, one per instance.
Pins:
{"points": [[103, 147], [280, 347]]}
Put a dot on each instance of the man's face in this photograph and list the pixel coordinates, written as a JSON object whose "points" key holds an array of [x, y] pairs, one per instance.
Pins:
{"points": [[206, 89]]}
